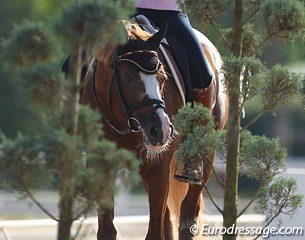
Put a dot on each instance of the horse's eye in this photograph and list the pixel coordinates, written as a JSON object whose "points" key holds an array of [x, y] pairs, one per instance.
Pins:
{"points": [[129, 78]]}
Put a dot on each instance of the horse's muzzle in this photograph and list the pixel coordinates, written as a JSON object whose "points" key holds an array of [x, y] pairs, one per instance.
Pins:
{"points": [[158, 131]]}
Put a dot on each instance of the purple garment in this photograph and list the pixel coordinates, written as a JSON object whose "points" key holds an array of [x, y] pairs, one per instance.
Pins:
{"points": [[171, 5]]}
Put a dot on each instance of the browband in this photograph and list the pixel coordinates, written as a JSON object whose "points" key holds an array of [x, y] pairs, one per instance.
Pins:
{"points": [[145, 60], [138, 51]]}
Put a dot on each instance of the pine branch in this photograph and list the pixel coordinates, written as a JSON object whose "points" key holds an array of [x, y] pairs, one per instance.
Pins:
{"points": [[270, 221], [218, 29], [82, 212], [31, 196], [213, 201], [79, 227], [252, 200], [266, 39], [218, 178], [251, 16], [258, 116]]}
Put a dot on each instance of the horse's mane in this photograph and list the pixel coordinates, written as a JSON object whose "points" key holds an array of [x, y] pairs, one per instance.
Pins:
{"points": [[134, 31]]}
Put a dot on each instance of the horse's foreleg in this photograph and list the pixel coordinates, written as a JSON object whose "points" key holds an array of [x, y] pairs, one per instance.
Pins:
{"points": [[189, 212], [156, 180], [106, 229], [191, 205], [168, 226]]}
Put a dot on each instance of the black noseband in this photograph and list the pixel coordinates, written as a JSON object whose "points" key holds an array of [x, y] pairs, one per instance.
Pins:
{"points": [[156, 103]]}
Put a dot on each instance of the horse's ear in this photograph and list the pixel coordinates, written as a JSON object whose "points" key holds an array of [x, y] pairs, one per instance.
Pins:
{"points": [[156, 39]]}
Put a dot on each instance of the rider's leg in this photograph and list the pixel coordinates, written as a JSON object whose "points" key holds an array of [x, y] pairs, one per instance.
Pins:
{"points": [[180, 28]]}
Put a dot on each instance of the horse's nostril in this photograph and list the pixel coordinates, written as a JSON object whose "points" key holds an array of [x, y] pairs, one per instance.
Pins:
{"points": [[154, 132], [171, 126]]}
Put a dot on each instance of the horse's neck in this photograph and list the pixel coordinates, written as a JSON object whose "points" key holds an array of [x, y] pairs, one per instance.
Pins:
{"points": [[107, 94], [102, 77]]}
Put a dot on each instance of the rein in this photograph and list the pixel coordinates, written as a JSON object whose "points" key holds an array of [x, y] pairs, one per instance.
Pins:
{"points": [[133, 124], [120, 132]]}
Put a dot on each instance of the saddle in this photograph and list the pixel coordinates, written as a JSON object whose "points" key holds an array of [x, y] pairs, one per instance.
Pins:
{"points": [[179, 57], [175, 56]]}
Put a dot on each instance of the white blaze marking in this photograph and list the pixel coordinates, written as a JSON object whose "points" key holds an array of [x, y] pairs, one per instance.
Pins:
{"points": [[153, 92], [151, 85]]}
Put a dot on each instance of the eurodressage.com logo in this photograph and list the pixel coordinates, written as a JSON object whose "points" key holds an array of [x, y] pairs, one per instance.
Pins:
{"points": [[266, 232]]}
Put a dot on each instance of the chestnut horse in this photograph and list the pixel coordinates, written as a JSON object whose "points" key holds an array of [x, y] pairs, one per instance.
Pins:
{"points": [[132, 88]]}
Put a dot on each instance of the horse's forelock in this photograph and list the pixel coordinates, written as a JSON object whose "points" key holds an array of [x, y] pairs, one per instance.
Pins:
{"points": [[134, 31]]}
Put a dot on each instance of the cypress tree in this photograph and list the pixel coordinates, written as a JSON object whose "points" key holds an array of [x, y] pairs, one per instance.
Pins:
{"points": [[69, 143], [253, 24]]}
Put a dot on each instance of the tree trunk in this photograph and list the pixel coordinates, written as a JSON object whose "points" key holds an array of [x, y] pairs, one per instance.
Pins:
{"points": [[73, 95], [65, 213], [233, 135], [71, 118]]}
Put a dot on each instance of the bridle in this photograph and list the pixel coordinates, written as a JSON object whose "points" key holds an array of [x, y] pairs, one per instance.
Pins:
{"points": [[133, 123]]}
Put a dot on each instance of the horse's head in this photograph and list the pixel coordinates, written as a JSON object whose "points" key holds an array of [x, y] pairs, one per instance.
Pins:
{"points": [[140, 80]]}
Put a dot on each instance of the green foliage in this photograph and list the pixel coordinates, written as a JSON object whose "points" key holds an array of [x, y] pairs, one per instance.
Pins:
{"points": [[261, 158], [24, 163], [85, 163], [197, 132], [292, 52], [280, 87], [104, 162], [31, 162], [29, 43], [254, 23], [280, 198], [283, 18], [91, 130], [249, 70], [204, 9], [86, 22], [62, 151], [251, 40], [46, 9], [222, 146], [298, 37], [43, 85]]}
